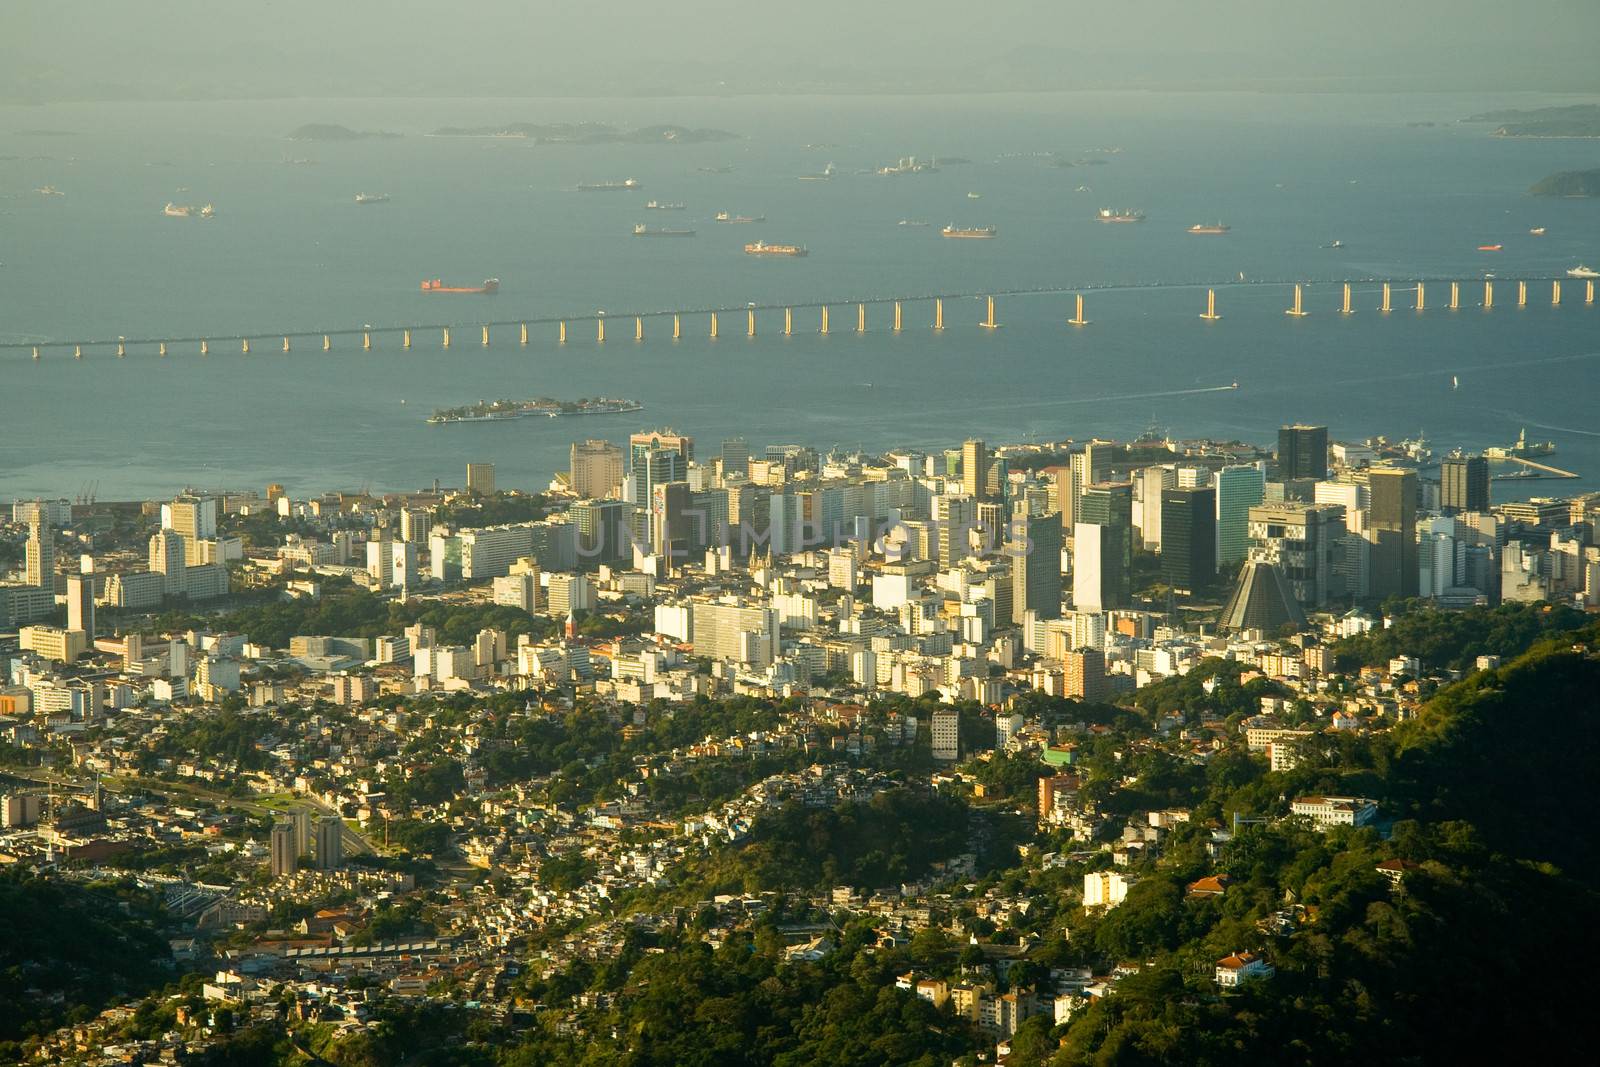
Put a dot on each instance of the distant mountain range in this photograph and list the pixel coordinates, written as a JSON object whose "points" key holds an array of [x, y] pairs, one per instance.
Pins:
{"points": [[1578, 120], [589, 133]]}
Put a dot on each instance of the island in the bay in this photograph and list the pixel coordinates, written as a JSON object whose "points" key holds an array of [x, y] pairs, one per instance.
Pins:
{"points": [[589, 133], [1576, 120], [498, 410], [1578, 183], [328, 131]]}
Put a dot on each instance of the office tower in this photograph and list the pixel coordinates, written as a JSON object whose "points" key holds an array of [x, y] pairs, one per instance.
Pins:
{"points": [[1093, 589], [415, 525], [955, 516], [328, 840], [604, 532], [738, 633], [403, 570], [80, 604], [1036, 568], [285, 856], [1302, 452], [670, 534], [652, 468], [1239, 489], [1304, 541], [946, 735], [1463, 484], [300, 819], [194, 518], [735, 458], [1188, 538], [1147, 503], [594, 469], [1392, 529], [380, 561], [992, 528], [275, 492], [975, 469], [40, 554], [1109, 506], [1084, 671], [642, 444], [480, 478], [167, 558]]}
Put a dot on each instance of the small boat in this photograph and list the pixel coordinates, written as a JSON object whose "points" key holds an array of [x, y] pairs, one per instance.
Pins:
{"points": [[1455, 382], [49, 190], [658, 205], [1580, 271], [1490, 248], [1083, 189], [1334, 244], [372, 198], [974, 196], [917, 223], [723, 216], [208, 212], [1537, 231], [1214, 228], [177, 211]]}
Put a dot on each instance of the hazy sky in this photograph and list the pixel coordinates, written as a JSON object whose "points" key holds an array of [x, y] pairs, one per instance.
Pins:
{"points": [[52, 49]]}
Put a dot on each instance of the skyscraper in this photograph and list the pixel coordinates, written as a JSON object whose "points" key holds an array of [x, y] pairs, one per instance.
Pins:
{"points": [[1188, 538], [1239, 489], [642, 444], [285, 856], [1463, 484], [40, 554], [328, 840], [1393, 531], [193, 518], [167, 558], [1036, 567], [594, 469], [735, 458], [1303, 540], [604, 531], [1303, 452], [975, 469], [80, 604], [1109, 505], [480, 478], [1094, 584]]}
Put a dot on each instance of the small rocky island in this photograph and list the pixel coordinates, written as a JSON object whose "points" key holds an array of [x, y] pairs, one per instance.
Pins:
{"points": [[327, 131], [1575, 183]]}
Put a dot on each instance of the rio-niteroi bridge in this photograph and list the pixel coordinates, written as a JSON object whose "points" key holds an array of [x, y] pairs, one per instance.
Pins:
{"points": [[1353, 296]]}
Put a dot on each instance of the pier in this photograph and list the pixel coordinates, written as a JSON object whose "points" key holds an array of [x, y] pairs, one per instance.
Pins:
{"points": [[902, 309]]}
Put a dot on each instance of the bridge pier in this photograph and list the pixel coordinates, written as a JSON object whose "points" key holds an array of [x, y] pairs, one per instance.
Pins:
{"points": [[77, 351], [486, 337], [1387, 304], [1455, 296], [989, 323], [122, 349], [1588, 292], [938, 314], [861, 318], [405, 339], [1297, 309], [1345, 308], [244, 346], [445, 340], [788, 321], [713, 325], [286, 344], [1422, 299], [677, 328], [1488, 295], [524, 338], [1555, 293], [36, 352], [824, 329], [561, 336], [750, 323], [600, 330], [638, 328], [205, 349], [366, 341], [1522, 294], [162, 350], [1078, 319], [897, 317], [327, 343], [1210, 314]]}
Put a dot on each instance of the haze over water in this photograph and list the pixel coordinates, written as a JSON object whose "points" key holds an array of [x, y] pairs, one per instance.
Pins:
{"points": [[291, 251]]}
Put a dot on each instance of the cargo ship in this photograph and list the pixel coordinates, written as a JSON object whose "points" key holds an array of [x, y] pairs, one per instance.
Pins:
{"points": [[505, 410], [975, 233], [723, 216], [610, 187], [372, 198], [1521, 448], [642, 230], [1490, 248], [1214, 228], [657, 205], [1110, 215], [435, 285], [761, 248], [177, 211]]}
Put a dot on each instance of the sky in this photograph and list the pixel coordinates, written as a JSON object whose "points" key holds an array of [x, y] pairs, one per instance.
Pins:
{"points": [[98, 49]]}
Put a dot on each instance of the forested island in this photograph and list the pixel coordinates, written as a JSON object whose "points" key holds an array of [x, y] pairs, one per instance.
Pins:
{"points": [[588, 133], [328, 131], [1577, 120], [1569, 183]]}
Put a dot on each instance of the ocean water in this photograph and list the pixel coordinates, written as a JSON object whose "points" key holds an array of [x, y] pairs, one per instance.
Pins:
{"points": [[291, 251]]}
